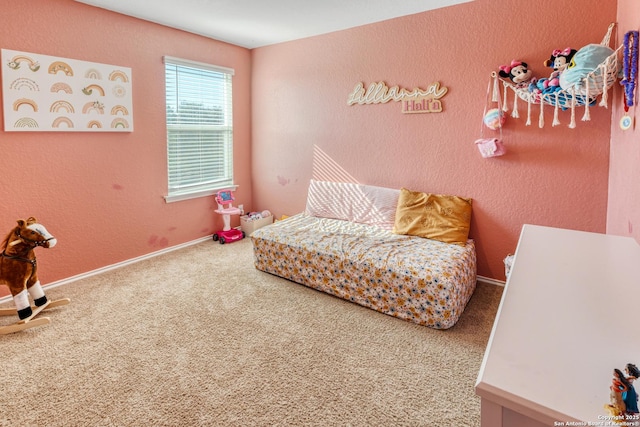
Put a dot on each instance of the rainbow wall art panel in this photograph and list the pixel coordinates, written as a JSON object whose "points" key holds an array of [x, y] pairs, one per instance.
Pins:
{"points": [[47, 93]]}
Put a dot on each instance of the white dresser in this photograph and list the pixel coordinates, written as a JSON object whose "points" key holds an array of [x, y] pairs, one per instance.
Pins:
{"points": [[569, 315]]}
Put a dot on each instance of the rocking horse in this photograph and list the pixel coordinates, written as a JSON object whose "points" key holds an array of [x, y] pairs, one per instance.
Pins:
{"points": [[19, 271]]}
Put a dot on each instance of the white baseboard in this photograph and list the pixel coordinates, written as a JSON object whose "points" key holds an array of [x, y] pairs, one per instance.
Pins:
{"points": [[490, 281], [101, 270], [117, 265]]}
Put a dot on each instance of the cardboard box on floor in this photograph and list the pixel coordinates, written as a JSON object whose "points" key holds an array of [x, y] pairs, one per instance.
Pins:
{"points": [[250, 225]]}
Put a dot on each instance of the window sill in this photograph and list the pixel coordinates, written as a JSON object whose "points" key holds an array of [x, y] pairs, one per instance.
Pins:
{"points": [[196, 194]]}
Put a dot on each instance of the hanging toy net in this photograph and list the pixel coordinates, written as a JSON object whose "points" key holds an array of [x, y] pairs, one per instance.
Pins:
{"points": [[580, 84]]}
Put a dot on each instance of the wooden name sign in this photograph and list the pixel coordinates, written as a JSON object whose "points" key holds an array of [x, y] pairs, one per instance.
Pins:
{"points": [[413, 101]]}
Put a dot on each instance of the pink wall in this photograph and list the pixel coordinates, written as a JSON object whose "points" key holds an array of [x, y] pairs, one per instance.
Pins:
{"points": [[101, 194], [623, 215], [302, 126]]}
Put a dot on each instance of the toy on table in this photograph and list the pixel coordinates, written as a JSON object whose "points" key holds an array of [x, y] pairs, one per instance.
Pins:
{"points": [[19, 271], [619, 385], [623, 395], [227, 234], [631, 398]]}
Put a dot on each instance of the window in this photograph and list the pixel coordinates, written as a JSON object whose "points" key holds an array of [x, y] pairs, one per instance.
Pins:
{"points": [[199, 128]]}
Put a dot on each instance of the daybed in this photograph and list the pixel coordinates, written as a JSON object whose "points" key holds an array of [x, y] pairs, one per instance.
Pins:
{"points": [[347, 244]]}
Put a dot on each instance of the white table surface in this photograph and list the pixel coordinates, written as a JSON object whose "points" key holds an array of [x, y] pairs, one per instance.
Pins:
{"points": [[569, 315]]}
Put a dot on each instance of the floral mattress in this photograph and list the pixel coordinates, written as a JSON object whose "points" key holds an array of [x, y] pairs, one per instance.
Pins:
{"points": [[421, 280]]}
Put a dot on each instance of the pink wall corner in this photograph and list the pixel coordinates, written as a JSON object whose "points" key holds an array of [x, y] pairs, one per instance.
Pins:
{"points": [[101, 194], [623, 215], [303, 128]]}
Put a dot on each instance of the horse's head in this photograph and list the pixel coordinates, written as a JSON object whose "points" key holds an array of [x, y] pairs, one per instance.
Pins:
{"points": [[33, 233]]}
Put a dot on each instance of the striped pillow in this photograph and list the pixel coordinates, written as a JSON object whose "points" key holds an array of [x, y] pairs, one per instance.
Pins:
{"points": [[365, 204]]}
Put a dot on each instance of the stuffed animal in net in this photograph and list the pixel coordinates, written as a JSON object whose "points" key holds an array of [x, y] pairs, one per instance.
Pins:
{"points": [[585, 65], [559, 61], [518, 72]]}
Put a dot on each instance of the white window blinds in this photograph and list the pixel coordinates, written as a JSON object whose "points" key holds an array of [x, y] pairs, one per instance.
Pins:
{"points": [[199, 128]]}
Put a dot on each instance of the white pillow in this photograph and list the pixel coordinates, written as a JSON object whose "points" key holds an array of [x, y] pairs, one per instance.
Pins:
{"points": [[365, 204]]}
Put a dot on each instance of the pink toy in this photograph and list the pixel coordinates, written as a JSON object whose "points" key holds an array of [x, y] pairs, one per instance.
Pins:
{"points": [[227, 234]]}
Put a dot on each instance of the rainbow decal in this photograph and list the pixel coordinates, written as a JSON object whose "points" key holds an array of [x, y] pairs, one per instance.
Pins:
{"points": [[119, 109], [43, 93], [23, 82], [92, 73], [24, 101], [93, 106], [119, 75], [89, 90], [60, 66], [16, 60], [62, 105], [94, 124], [61, 87], [118, 91], [120, 123], [25, 122], [62, 120]]}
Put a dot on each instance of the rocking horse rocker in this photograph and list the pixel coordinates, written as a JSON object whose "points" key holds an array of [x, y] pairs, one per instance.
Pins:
{"points": [[19, 271]]}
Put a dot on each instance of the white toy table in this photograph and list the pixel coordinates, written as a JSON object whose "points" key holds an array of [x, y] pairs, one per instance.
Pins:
{"points": [[569, 315]]}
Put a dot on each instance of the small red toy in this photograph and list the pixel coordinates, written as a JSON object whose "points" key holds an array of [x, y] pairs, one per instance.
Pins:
{"points": [[227, 234]]}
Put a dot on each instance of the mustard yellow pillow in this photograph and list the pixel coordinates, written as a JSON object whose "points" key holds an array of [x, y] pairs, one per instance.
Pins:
{"points": [[434, 216]]}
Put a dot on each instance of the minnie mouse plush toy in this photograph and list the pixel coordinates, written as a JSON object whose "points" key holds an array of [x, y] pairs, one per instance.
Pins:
{"points": [[560, 59], [518, 72]]}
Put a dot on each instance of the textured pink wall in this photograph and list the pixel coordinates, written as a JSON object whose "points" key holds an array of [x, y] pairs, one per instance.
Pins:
{"points": [[101, 194], [623, 216], [303, 127]]}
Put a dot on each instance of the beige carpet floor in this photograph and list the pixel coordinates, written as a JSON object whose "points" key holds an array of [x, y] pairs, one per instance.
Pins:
{"points": [[198, 337]]}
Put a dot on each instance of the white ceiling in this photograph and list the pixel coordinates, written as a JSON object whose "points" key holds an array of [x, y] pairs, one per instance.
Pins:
{"points": [[256, 23]]}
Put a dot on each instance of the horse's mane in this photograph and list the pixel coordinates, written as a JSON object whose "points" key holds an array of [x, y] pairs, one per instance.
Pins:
{"points": [[5, 242]]}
